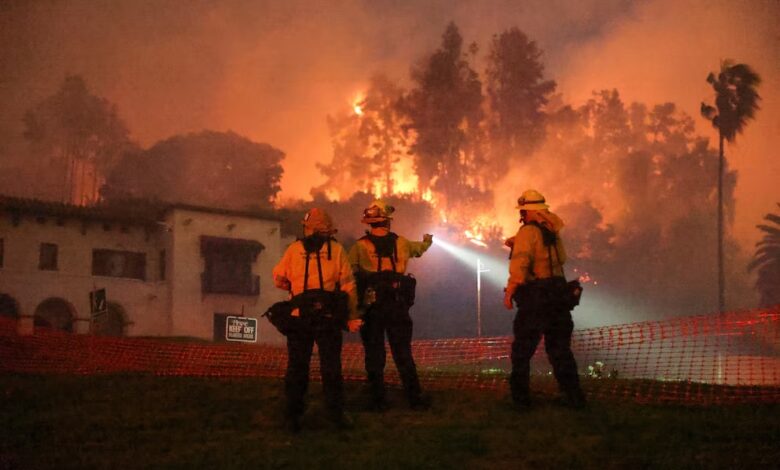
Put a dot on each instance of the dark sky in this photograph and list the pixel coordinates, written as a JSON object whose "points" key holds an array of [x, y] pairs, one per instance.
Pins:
{"points": [[273, 70]]}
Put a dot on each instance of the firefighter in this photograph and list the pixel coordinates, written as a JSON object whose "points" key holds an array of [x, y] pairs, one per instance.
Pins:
{"points": [[316, 272], [386, 293], [535, 275]]}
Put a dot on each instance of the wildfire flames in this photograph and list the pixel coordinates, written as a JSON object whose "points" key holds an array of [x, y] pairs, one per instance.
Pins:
{"points": [[358, 103], [403, 181]]}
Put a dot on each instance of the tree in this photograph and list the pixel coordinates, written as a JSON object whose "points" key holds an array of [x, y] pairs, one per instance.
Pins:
{"points": [[636, 187], [736, 102], [217, 169], [766, 261], [518, 93], [79, 136], [349, 170], [382, 123], [444, 113], [368, 143]]}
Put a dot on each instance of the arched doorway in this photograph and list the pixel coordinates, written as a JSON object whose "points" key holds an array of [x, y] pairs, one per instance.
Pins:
{"points": [[111, 323], [8, 306], [55, 314], [9, 311]]}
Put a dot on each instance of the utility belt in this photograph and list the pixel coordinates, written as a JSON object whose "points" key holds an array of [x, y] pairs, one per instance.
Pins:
{"points": [[549, 293], [553, 292], [316, 307], [385, 287], [323, 304]]}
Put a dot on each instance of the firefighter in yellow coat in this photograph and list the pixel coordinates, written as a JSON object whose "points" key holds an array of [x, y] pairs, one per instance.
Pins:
{"points": [[535, 279], [380, 259], [316, 272]]}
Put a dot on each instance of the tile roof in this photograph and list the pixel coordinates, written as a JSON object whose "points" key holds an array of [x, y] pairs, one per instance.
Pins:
{"points": [[134, 212]]}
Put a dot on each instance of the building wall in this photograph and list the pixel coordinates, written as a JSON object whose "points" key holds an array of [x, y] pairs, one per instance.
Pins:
{"points": [[143, 301], [174, 306], [192, 310]]}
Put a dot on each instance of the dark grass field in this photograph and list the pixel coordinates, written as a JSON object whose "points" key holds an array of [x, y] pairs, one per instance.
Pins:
{"points": [[136, 421]]}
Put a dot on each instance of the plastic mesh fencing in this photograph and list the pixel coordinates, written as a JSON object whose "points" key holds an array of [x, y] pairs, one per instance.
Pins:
{"points": [[706, 359]]}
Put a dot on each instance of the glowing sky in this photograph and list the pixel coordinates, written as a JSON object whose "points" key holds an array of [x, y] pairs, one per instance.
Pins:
{"points": [[273, 70]]}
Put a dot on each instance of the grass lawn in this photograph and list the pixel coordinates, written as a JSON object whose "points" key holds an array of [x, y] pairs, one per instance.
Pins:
{"points": [[139, 421]]}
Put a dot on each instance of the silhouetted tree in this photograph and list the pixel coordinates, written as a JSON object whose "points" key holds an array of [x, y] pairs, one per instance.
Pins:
{"points": [[518, 93], [766, 261], [79, 137], [219, 169], [445, 112], [736, 102]]}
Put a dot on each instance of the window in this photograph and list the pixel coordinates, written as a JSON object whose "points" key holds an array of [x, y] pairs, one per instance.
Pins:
{"points": [[48, 257], [113, 263], [229, 265]]}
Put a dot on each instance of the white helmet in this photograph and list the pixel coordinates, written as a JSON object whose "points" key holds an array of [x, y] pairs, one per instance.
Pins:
{"points": [[377, 211], [531, 200]]}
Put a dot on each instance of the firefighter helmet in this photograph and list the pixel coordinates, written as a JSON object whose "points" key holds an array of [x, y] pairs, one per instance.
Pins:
{"points": [[317, 220], [531, 200], [377, 211]]}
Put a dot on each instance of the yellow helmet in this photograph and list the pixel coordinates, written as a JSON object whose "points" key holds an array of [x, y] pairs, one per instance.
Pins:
{"points": [[531, 200], [317, 220], [377, 211]]}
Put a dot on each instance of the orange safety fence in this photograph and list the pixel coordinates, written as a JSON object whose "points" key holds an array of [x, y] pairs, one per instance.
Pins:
{"points": [[706, 359]]}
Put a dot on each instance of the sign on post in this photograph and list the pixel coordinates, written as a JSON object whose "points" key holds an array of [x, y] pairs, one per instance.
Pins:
{"points": [[241, 329], [97, 302]]}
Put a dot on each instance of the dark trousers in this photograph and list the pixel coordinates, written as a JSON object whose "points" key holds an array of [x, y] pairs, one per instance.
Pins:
{"points": [[393, 319], [300, 343], [556, 326]]}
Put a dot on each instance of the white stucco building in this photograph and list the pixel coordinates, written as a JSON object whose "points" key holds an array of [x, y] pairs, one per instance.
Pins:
{"points": [[167, 269]]}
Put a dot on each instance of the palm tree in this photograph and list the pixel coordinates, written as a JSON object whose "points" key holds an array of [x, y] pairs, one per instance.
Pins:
{"points": [[736, 102], [767, 261]]}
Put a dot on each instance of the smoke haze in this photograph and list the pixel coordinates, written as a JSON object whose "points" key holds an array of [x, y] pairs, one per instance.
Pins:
{"points": [[272, 71]]}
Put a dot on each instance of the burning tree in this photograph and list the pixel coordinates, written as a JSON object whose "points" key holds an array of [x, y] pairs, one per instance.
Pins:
{"points": [[369, 146], [445, 113]]}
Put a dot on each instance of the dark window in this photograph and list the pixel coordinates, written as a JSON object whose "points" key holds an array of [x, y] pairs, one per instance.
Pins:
{"points": [[162, 265], [229, 266], [115, 263], [48, 257]]}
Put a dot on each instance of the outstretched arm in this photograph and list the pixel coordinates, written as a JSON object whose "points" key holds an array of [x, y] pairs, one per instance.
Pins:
{"points": [[416, 249]]}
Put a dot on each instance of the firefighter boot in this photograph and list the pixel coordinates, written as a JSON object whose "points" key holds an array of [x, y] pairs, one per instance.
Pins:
{"points": [[376, 383]]}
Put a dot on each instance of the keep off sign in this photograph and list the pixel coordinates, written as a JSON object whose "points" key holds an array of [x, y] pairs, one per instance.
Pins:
{"points": [[241, 329]]}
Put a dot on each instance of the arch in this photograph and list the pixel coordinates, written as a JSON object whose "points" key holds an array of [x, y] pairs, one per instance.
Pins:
{"points": [[56, 314], [9, 307], [111, 323]]}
